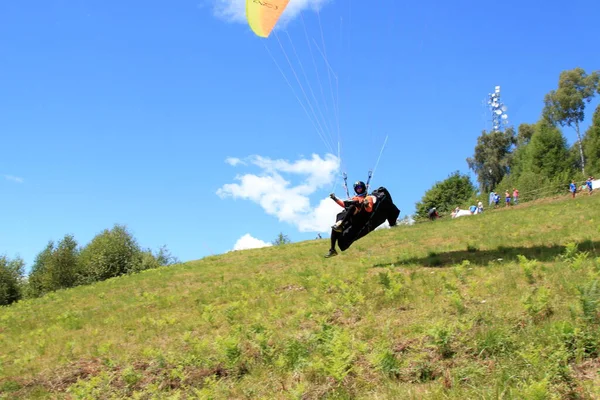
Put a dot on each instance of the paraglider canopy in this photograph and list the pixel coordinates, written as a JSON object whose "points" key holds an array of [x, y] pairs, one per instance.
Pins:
{"points": [[262, 15]]}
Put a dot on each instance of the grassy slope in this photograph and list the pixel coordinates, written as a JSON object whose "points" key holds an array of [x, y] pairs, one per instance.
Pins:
{"points": [[448, 309]]}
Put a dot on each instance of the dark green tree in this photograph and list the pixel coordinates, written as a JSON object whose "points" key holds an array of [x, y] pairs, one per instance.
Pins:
{"points": [[547, 152], [591, 144], [519, 153], [447, 194], [11, 275], [492, 157], [566, 105]]}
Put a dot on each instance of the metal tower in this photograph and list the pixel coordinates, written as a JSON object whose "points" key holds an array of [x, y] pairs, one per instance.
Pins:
{"points": [[498, 110]]}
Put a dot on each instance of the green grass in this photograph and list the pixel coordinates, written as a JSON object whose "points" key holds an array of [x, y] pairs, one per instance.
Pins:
{"points": [[504, 305]]}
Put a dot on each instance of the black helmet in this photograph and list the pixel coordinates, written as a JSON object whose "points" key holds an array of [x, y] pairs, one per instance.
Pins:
{"points": [[360, 184]]}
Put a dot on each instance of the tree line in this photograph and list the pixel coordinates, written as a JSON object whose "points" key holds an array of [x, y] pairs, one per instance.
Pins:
{"points": [[65, 264], [535, 158]]}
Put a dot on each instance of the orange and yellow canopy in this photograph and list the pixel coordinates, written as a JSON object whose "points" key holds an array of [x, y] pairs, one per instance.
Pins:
{"points": [[263, 15]]}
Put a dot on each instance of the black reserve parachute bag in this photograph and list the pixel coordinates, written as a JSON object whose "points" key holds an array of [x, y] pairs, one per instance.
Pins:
{"points": [[363, 222]]}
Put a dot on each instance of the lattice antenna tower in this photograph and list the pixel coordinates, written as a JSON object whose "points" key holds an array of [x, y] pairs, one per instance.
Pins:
{"points": [[498, 110]]}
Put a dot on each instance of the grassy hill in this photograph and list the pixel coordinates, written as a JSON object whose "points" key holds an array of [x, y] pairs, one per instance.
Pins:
{"points": [[500, 305]]}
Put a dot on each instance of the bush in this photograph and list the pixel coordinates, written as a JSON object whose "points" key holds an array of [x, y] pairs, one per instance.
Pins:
{"points": [[454, 191], [281, 239], [11, 274], [165, 258], [111, 253]]}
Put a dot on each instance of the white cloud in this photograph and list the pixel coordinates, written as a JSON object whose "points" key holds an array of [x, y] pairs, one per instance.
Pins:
{"points": [[13, 178], [290, 202], [235, 10], [233, 161], [249, 242]]}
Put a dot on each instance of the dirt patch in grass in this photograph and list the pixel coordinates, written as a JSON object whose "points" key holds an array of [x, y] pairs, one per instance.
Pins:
{"points": [[60, 379], [290, 288], [587, 370]]}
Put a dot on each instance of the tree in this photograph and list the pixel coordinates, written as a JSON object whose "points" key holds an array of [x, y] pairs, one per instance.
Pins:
{"points": [[64, 264], [519, 154], [525, 132], [447, 194], [281, 239], [547, 152], [11, 274], [55, 268], [492, 157], [111, 253], [36, 282], [591, 142], [566, 105]]}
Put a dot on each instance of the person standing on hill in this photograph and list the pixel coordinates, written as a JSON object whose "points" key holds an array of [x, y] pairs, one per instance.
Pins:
{"points": [[515, 196], [573, 188], [589, 185]]}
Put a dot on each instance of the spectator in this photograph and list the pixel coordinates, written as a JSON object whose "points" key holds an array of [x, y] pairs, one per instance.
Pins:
{"points": [[507, 195], [573, 188], [515, 196], [433, 214], [479, 207]]}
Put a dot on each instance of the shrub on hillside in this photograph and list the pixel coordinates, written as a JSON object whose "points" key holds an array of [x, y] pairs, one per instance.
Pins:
{"points": [[281, 239], [11, 274], [162, 258], [165, 258], [454, 191], [111, 253]]}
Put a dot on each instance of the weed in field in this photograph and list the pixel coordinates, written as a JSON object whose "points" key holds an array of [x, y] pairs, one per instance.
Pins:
{"points": [[493, 342], [387, 362], [441, 337], [538, 304], [529, 268], [589, 298]]}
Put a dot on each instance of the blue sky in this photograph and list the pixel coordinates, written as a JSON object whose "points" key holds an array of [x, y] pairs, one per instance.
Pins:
{"points": [[173, 117]]}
